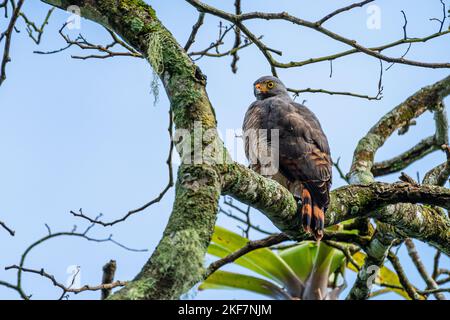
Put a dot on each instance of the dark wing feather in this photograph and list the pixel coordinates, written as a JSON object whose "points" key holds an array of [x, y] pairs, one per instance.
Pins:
{"points": [[256, 118], [253, 120], [303, 149]]}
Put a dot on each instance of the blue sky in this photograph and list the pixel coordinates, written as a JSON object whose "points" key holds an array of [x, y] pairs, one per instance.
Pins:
{"points": [[85, 134]]}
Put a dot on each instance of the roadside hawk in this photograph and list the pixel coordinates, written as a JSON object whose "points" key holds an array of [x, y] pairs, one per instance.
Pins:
{"points": [[284, 141]]}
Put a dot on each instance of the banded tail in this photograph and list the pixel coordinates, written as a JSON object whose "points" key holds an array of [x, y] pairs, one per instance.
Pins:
{"points": [[313, 217]]}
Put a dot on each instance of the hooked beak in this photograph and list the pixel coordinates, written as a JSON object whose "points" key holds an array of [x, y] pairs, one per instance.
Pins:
{"points": [[260, 88]]}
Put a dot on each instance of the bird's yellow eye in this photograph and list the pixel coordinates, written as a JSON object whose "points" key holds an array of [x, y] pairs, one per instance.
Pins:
{"points": [[270, 84]]}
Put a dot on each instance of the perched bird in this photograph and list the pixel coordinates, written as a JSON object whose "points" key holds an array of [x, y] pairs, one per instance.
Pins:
{"points": [[301, 155]]}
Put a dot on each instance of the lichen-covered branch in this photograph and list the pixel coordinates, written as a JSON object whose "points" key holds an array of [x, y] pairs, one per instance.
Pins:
{"points": [[167, 274], [424, 222], [428, 98], [420, 150], [377, 251], [439, 175]]}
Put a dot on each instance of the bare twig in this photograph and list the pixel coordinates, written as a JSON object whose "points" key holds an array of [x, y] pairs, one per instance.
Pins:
{"points": [[436, 259], [338, 11], [338, 168], [239, 19], [7, 35], [195, 28], [32, 27], [10, 231], [431, 284], [338, 93], [443, 281], [43, 273], [444, 17], [206, 53], [434, 291], [105, 50], [237, 38], [250, 246], [246, 221], [409, 288], [4, 5], [347, 250], [73, 233]]}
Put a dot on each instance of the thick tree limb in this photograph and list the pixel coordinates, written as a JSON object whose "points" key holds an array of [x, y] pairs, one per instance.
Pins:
{"points": [[420, 150], [428, 98], [440, 174], [109, 271], [377, 251], [400, 162], [348, 202]]}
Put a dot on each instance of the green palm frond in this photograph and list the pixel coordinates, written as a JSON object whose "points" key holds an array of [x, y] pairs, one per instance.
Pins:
{"points": [[290, 272]]}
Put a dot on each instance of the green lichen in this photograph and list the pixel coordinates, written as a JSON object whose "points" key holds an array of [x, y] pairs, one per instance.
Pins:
{"points": [[136, 25], [175, 250], [155, 55]]}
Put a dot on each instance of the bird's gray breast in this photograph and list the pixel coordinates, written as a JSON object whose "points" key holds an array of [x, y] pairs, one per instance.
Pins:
{"points": [[262, 135]]}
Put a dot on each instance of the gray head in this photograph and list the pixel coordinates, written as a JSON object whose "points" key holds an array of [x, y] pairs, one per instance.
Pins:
{"points": [[269, 86]]}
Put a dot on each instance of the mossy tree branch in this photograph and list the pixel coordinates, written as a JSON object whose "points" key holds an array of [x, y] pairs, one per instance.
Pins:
{"points": [[368, 200], [427, 99], [177, 263]]}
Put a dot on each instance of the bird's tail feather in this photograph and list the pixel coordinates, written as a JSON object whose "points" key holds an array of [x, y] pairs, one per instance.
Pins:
{"points": [[318, 222], [307, 210], [312, 215]]}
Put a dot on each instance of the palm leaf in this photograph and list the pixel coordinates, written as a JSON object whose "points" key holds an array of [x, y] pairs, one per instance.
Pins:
{"points": [[230, 280], [300, 258], [262, 261], [222, 252]]}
